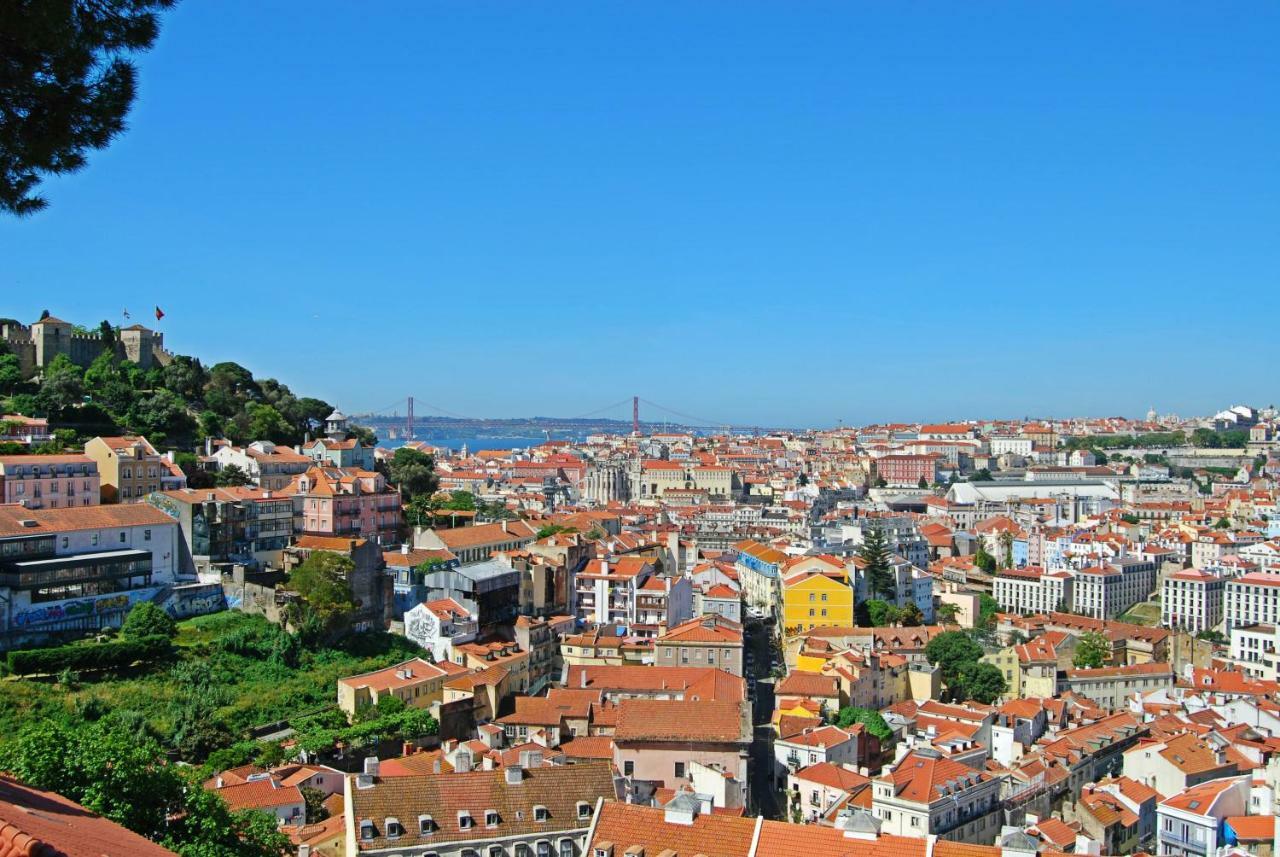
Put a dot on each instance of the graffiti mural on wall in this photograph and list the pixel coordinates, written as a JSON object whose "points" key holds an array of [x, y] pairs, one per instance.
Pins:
{"points": [[196, 600], [70, 610]]}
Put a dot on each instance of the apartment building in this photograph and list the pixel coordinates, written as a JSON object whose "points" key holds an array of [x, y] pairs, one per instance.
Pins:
{"points": [[816, 593], [543, 811], [130, 468], [709, 640], [1192, 600], [658, 742], [417, 682], [1178, 763], [1111, 687], [1032, 590], [270, 466], [759, 571], [1190, 823], [49, 481], [906, 471], [812, 746], [82, 568], [224, 527], [477, 543], [354, 503], [1106, 591], [1252, 599], [606, 592], [925, 794]]}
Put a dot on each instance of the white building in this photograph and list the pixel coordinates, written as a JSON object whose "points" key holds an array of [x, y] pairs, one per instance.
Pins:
{"points": [[1189, 824], [925, 794], [1106, 591], [440, 625], [81, 568], [1192, 601], [814, 746], [1032, 590], [1252, 599]]}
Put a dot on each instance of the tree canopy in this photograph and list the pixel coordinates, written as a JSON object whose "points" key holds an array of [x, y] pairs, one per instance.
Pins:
{"points": [[147, 619], [110, 768], [952, 651], [1092, 651], [322, 581], [413, 472], [871, 719], [874, 551], [66, 85]]}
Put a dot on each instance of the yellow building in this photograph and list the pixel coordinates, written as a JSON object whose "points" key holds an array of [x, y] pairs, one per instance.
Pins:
{"points": [[418, 683], [815, 594]]}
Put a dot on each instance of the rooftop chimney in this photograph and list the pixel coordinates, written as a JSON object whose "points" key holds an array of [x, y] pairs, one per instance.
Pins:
{"points": [[371, 766], [513, 775]]}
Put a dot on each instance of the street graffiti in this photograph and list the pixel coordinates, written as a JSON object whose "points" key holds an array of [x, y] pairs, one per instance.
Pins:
{"points": [[70, 610]]}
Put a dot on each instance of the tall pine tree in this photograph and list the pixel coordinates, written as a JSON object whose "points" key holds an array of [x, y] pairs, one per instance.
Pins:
{"points": [[874, 551]]}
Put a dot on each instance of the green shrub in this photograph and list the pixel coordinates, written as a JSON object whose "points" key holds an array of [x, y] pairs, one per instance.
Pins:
{"points": [[99, 656]]}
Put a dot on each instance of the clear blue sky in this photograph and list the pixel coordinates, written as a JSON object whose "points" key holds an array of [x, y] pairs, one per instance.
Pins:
{"points": [[777, 213]]}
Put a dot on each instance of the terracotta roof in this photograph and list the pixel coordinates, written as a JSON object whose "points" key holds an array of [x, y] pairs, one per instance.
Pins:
{"points": [[261, 794], [443, 796], [78, 518], [681, 721], [484, 534], [801, 683], [831, 775], [714, 835], [588, 747], [35, 823], [1253, 828], [920, 777], [1154, 668], [704, 683], [712, 628]]}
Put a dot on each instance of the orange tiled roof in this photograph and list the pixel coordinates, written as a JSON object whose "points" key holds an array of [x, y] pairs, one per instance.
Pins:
{"points": [[35, 823]]}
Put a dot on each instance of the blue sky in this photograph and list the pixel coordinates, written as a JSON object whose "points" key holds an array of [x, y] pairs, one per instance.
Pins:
{"points": [[775, 213]]}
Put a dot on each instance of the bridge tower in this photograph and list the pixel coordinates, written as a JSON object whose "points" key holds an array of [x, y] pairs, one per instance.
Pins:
{"points": [[635, 415], [408, 422]]}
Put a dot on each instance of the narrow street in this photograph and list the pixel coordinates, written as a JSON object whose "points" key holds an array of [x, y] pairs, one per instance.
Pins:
{"points": [[765, 800]]}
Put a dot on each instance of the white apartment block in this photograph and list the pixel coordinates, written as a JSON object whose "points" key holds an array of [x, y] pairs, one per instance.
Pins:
{"points": [[925, 794], [1252, 599], [1106, 591], [1032, 590], [1192, 601]]}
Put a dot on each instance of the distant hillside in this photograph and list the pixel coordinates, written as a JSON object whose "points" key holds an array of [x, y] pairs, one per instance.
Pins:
{"points": [[175, 404]]}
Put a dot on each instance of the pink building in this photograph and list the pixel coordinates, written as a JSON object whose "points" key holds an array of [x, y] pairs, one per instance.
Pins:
{"points": [[49, 481], [15, 428], [657, 741], [345, 502]]}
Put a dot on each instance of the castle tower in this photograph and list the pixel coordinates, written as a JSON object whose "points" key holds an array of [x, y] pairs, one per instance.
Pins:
{"points": [[52, 336], [138, 343]]}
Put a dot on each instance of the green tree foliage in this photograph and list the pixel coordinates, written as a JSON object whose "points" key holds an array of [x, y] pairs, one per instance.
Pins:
{"points": [[124, 777], [952, 651], [10, 373], [66, 85], [1092, 651], [147, 619], [264, 422], [1215, 637], [61, 386], [321, 580], [552, 530], [988, 607], [874, 551], [413, 472], [231, 476], [983, 475], [314, 799], [911, 616], [981, 681], [458, 501], [98, 656], [984, 560], [870, 719], [946, 613], [879, 612]]}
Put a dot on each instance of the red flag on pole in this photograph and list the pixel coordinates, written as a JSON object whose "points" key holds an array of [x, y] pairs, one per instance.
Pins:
{"points": [[159, 313]]}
